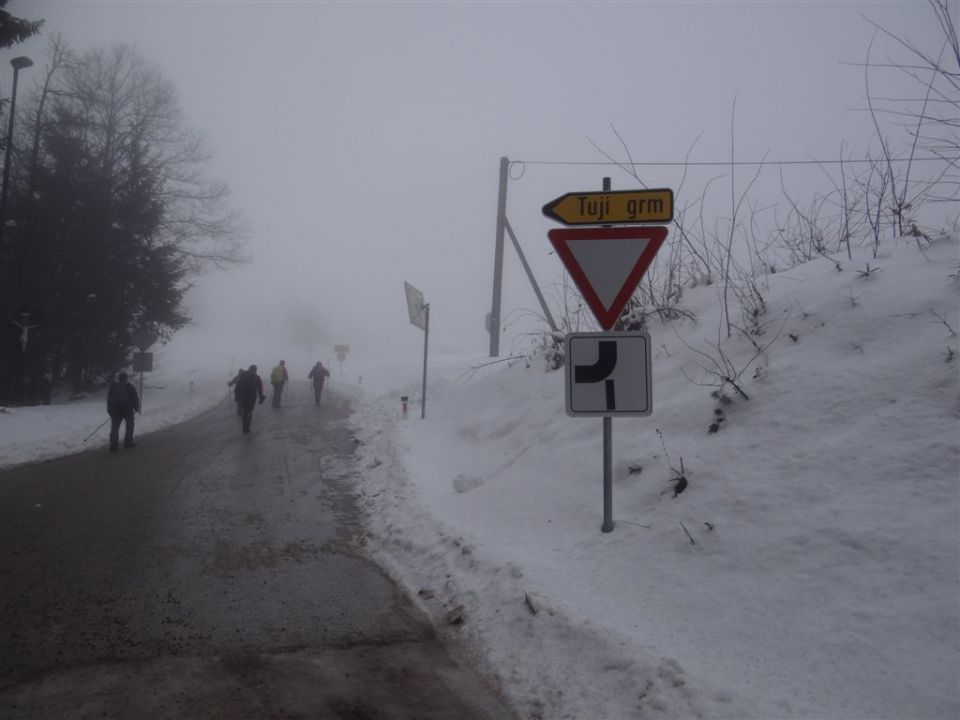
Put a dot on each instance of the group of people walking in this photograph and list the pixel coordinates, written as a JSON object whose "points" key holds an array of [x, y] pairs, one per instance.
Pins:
{"points": [[123, 400], [248, 387]]}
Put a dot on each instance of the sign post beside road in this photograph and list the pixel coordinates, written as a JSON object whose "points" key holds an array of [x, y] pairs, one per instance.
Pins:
{"points": [[341, 352], [143, 339], [419, 311], [609, 373]]}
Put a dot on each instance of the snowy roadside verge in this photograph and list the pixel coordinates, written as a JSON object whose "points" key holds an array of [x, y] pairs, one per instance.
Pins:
{"points": [[808, 569], [546, 663], [32, 434]]}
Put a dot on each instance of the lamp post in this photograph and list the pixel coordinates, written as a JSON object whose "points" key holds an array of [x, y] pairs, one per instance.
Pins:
{"points": [[18, 64]]}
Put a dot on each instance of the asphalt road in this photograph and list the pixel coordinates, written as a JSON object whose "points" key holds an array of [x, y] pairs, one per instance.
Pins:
{"points": [[211, 574]]}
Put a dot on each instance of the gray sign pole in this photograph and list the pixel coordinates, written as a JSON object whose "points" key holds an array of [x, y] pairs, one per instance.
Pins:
{"points": [[144, 339], [426, 336], [597, 363], [607, 452], [419, 313], [607, 475]]}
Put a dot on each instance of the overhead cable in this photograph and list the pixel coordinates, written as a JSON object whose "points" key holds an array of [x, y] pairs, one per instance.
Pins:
{"points": [[728, 163]]}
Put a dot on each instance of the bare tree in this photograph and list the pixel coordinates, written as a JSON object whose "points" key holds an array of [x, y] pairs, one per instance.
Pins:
{"points": [[932, 119], [113, 217], [126, 116]]}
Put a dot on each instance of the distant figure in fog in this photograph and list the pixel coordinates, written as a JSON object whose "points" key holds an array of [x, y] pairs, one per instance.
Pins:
{"points": [[318, 374], [235, 384], [122, 403], [278, 378], [249, 388]]}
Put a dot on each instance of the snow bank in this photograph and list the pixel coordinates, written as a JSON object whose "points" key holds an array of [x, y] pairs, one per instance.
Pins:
{"points": [[809, 568], [29, 434]]}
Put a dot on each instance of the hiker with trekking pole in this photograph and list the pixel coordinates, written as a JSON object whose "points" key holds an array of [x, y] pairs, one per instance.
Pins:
{"points": [[122, 403], [97, 430]]}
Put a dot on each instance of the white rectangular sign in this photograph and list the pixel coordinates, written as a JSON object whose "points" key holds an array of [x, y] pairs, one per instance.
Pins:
{"points": [[609, 374], [416, 306]]}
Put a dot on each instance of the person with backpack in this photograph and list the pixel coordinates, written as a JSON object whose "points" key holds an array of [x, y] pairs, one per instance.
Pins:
{"points": [[249, 387], [318, 374], [122, 403], [234, 383], [278, 378]]}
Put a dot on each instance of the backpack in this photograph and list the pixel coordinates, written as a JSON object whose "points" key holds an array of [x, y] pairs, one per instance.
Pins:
{"points": [[118, 399], [276, 375], [246, 387]]}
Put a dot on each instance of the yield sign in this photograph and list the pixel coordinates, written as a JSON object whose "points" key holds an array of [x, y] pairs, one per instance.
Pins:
{"points": [[607, 263]]}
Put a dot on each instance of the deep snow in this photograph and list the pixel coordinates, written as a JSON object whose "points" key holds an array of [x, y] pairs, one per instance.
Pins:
{"points": [[824, 578], [810, 569]]}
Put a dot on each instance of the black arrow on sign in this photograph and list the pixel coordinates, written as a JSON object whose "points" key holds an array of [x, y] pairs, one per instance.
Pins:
{"points": [[600, 371]]}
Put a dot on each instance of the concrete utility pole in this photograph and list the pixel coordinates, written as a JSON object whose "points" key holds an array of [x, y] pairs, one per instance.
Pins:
{"points": [[503, 226], [493, 320]]}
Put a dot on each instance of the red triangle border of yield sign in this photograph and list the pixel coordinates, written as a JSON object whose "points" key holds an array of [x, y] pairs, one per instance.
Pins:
{"points": [[607, 316]]}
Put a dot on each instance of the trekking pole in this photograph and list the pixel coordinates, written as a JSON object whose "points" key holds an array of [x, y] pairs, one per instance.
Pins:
{"points": [[95, 431]]}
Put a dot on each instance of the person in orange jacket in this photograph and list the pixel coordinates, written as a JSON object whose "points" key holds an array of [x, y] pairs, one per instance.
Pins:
{"points": [[278, 378]]}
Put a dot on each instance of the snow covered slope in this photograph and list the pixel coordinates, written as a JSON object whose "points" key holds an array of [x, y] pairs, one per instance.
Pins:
{"points": [[808, 570]]}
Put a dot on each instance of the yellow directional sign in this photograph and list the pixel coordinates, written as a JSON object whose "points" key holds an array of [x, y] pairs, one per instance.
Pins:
{"points": [[617, 207]]}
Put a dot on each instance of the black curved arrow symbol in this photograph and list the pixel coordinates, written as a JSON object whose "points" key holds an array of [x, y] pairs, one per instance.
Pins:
{"points": [[600, 371], [606, 362]]}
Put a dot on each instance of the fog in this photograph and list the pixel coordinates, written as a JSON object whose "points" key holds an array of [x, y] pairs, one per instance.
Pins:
{"points": [[362, 142]]}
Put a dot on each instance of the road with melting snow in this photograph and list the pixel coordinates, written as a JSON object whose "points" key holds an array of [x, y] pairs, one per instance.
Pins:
{"points": [[211, 574]]}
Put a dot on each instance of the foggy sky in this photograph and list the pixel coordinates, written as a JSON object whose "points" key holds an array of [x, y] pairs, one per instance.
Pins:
{"points": [[361, 141]]}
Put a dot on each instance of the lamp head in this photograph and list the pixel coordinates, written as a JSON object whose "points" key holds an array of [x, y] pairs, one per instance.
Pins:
{"points": [[19, 63]]}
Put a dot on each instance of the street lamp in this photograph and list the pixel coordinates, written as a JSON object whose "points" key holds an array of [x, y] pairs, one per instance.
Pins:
{"points": [[18, 64]]}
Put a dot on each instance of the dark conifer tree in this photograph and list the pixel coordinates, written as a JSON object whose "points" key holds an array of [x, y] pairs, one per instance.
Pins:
{"points": [[15, 30], [112, 219]]}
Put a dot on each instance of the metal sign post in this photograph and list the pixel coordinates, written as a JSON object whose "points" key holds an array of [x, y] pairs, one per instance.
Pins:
{"points": [[142, 362], [426, 336], [341, 353], [608, 433], [143, 339], [608, 373], [419, 312], [607, 525]]}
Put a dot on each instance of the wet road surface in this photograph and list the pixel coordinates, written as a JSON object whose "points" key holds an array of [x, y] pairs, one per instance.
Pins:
{"points": [[211, 574]]}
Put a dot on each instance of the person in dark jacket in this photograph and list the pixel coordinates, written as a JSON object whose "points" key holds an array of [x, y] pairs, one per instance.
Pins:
{"points": [[235, 384], [318, 374], [122, 403], [249, 388]]}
